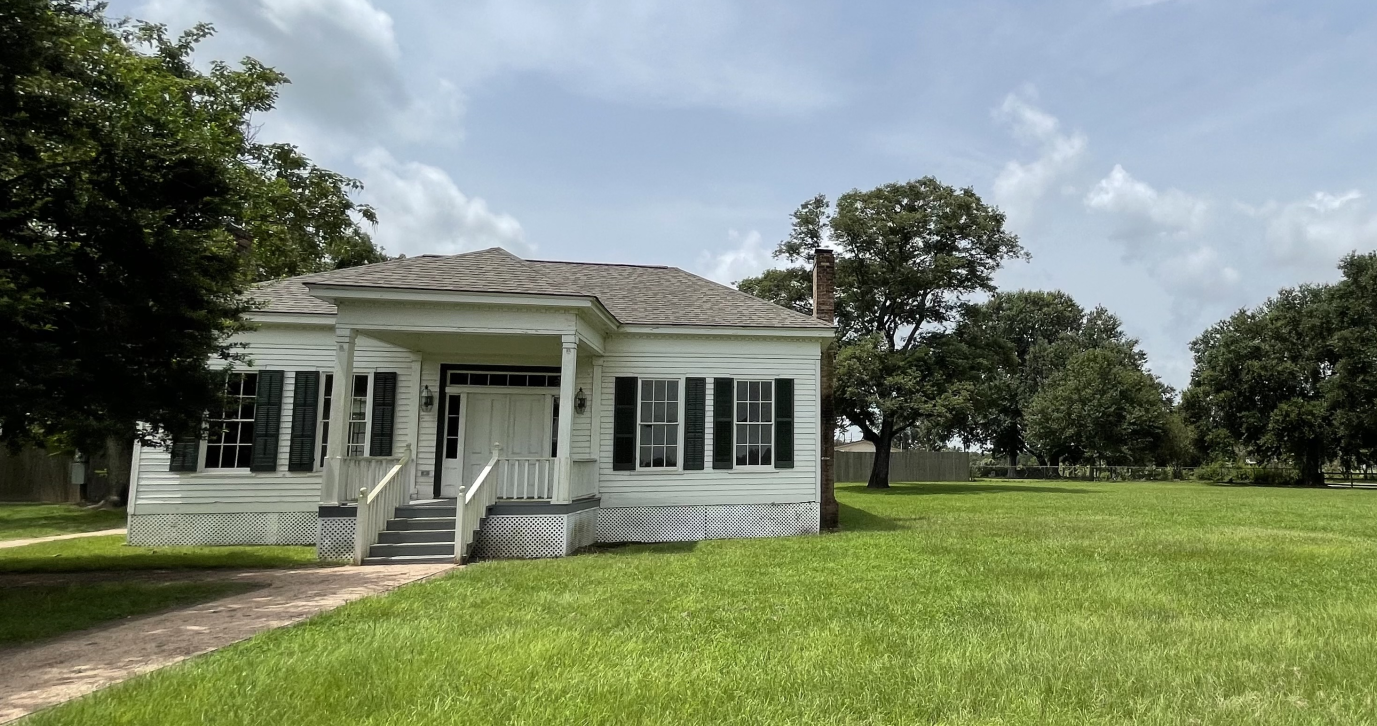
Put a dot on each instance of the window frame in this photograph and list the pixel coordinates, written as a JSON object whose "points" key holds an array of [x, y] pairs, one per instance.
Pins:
{"points": [[679, 424], [323, 424], [769, 423], [204, 453]]}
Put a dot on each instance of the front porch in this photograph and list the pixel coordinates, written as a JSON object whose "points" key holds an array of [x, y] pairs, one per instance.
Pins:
{"points": [[502, 407]]}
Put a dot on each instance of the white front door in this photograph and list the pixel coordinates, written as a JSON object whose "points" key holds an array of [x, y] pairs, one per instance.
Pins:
{"points": [[520, 422], [452, 446]]}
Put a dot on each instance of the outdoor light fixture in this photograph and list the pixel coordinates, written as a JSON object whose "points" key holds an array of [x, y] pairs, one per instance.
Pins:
{"points": [[580, 402], [427, 399]]}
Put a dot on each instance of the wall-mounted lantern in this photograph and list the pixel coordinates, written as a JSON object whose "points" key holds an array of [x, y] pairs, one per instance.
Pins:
{"points": [[580, 402], [427, 399]]}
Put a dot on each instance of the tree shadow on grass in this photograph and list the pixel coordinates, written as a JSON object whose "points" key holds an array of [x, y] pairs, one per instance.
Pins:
{"points": [[859, 520], [963, 488], [641, 548]]}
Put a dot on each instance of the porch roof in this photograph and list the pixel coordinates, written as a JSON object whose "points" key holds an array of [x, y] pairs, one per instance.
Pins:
{"points": [[633, 294]]}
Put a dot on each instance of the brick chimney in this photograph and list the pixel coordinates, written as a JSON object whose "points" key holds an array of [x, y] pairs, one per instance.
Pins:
{"points": [[825, 309], [824, 291]]}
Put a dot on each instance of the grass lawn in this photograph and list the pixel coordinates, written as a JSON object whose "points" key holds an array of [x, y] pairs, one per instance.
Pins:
{"points": [[983, 603], [41, 611], [111, 553], [22, 521]]}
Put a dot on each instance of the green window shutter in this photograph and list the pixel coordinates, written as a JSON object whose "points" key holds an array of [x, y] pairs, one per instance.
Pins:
{"points": [[624, 423], [267, 421], [723, 395], [384, 411], [186, 455], [305, 399], [695, 420], [784, 423]]}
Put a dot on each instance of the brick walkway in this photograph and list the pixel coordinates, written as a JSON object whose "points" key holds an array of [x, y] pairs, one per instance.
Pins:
{"points": [[50, 672]]}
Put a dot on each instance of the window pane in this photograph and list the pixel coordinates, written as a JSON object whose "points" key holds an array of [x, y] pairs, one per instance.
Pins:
{"points": [[659, 413], [765, 459], [753, 412], [552, 381], [361, 385], [497, 379], [766, 388], [741, 411], [516, 379], [647, 390], [672, 414], [647, 412], [767, 412], [645, 457], [671, 456]]}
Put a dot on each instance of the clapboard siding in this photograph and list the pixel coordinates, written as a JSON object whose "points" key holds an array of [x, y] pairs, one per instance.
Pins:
{"points": [[742, 358], [288, 349]]}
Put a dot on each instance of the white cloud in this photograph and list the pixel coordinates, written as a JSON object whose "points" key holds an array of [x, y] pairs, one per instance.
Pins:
{"points": [[1019, 186], [420, 210], [1314, 233], [344, 62], [652, 51], [1143, 213], [747, 257]]}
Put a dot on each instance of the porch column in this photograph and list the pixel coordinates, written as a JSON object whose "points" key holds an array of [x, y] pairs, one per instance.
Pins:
{"points": [[568, 369], [345, 339]]}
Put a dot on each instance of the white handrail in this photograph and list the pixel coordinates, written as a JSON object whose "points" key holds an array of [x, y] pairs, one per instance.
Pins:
{"points": [[379, 504], [471, 506]]}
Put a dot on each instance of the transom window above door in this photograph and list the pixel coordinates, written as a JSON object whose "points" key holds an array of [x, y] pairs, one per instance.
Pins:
{"points": [[500, 378]]}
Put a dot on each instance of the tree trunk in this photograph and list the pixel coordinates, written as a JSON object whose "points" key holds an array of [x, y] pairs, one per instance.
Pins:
{"points": [[1311, 468], [1013, 466], [879, 470]]}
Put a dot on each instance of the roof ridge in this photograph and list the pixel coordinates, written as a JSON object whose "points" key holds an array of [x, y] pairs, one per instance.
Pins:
{"points": [[604, 264], [743, 293]]}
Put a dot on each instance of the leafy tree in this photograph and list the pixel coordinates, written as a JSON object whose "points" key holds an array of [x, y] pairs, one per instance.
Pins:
{"points": [[1032, 334], [909, 257], [135, 207], [1101, 407], [1296, 378]]}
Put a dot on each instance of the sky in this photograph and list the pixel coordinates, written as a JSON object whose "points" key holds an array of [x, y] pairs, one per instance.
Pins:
{"points": [[1172, 160]]}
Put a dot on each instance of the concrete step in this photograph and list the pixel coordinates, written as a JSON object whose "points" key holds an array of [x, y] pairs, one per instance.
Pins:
{"points": [[408, 549], [414, 511], [414, 560], [429, 523], [408, 536]]}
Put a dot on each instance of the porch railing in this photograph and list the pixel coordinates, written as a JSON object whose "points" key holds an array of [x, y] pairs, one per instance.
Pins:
{"points": [[583, 482], [360, 472], [377, 503], [472, 505], [526, 478]]}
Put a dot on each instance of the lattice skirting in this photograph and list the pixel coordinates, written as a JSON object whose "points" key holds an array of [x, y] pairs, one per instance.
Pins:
{"points": [[336, 540], [227, 528], [717, 521]]}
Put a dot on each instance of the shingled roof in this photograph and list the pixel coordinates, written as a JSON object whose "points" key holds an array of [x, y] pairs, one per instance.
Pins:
{"points": [[634, 294]]}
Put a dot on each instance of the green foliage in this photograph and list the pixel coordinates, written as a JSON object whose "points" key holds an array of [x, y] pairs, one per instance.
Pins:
{"points": [[909, 257], [962, 604], [1099, 408], [135, 207], [1294, 380]]}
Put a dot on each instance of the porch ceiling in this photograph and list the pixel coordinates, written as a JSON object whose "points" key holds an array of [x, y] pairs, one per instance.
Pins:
{"points": [[527, 348]]}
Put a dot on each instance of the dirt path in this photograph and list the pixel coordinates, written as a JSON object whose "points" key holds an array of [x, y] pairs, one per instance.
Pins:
{"points": [[56, 537], [54, 671]]}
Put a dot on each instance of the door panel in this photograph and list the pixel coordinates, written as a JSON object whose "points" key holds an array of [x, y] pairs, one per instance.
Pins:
{"points": [[520, 422], [451, 446]]}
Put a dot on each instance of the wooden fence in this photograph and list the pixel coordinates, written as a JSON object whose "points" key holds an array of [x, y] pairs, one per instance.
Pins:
{"points": [[35, 475], [854, 466]]}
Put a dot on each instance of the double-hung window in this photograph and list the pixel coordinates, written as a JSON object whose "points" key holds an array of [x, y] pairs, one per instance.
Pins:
{"points": [[356, 421], [230, 441], [358, 417], [659, 424], [755, 427]]}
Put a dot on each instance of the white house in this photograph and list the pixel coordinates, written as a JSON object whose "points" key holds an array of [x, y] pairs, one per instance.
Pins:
{"points": [[518, 408]]}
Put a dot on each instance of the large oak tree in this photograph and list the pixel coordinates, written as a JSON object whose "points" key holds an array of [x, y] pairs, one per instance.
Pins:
{"points": [[135, 208], [910, 256]]}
